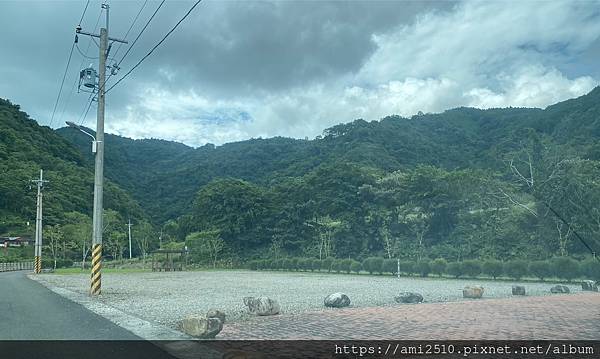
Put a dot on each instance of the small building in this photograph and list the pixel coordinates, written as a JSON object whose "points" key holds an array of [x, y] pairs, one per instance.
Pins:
{"points": [[15, 241]]}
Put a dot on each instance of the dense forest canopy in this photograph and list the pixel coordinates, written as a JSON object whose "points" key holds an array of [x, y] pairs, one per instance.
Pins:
{"points": [[462, 184]]}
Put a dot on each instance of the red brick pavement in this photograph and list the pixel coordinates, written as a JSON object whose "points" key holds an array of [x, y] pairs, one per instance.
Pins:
{"points": [[574, 316]]}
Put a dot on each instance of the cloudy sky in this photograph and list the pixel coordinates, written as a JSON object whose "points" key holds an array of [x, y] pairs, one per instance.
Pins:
{"points": [[239, 70]]}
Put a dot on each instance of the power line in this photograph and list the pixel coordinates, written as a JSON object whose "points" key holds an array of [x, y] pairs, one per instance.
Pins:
{"points": [[137, 37], [157, 45], [82, 62], [84, 10], [62, 83], [130, 27]]}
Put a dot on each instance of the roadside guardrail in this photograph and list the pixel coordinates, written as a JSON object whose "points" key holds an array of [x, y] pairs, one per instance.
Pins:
{"points": [[14, 266]]}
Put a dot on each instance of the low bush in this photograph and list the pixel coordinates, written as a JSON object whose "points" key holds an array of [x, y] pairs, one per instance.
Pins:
{"points": [[422, 267], [407, 267], [565, 268], [471, 268], [355, 266], [590, 268], [438, 266], [493, 268], [540, 269], [455, 269], [516, 269], [327, 263], [390, 265]]}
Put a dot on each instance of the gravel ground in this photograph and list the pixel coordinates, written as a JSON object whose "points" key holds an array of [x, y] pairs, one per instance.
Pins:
{"points": [[167, 297]]}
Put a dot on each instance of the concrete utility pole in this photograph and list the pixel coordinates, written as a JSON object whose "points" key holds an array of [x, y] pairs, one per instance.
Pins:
{"points": [[96, 277], [37, 267], [129, 228]]}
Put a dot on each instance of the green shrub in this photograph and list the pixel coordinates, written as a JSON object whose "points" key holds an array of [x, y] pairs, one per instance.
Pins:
{"points": [[591, 268], [252, 265], [423, 268], [390, 265], [540, 269], [346, 265], [378, 265], [471, 268], [455, 269], [516, 269], [287, 264], [295, 262], [315, 264], [304, 264], [327, 263], [367, 265], [438, 266], [565, 268], [355, 266], [407, 267], [493, 268], [338, 265]]}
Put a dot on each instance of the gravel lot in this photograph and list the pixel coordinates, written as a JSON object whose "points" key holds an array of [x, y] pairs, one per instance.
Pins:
{"points": [[167, 297]]}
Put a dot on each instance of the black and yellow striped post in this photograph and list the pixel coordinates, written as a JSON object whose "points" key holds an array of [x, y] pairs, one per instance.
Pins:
{"points": [[96, 283], [37, 265]]}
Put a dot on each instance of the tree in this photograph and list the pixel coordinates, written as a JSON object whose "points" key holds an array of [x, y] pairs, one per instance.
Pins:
{"points": [[143, 236], [516, 268], [206, 245], [78, 230], [417, 221], [540, 269], [55, 238], [493, 268], [471, 267], [455, 269], [438, 266], [565, 268]]}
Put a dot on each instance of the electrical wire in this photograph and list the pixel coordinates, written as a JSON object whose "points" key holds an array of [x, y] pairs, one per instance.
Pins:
{"points": [[80, 65], [155, 46], [130, 27], [62, 83]]}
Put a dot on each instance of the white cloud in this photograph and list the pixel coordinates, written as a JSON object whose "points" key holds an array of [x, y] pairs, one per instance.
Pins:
{"points": [[481, 54]]}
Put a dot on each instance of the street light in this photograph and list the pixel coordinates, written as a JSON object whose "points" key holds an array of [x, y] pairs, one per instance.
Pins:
{"points": [[80, 128]]}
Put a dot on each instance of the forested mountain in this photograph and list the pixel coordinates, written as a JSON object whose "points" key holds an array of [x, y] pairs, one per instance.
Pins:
{"points": [[465, 183], [25, 148]]}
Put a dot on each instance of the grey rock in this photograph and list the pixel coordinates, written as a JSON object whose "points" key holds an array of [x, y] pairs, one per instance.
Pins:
{"points": [[589, 285], [262, 305], [215, 313], [473, 292], [518, 290], [408, 297], [199, 326], [337, 300], [560, 289]]}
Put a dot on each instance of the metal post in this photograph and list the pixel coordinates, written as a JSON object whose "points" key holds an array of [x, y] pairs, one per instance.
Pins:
{"points": [[129, 228], [38, 224], [398, 273], [96, 277]]}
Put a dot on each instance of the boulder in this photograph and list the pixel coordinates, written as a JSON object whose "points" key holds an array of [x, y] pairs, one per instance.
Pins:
{"points": [[473, 292], [337, 300], [518, 290], [560, 289], [262, 305], [215, 313], [199, 326], [589, 285], [408, 297]]}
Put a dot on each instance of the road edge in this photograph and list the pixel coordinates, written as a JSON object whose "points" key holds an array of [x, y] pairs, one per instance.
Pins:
{"points": [[171, 341]]}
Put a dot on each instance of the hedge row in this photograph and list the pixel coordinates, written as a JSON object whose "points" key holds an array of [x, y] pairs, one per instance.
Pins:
{"points": [[561, 267]]}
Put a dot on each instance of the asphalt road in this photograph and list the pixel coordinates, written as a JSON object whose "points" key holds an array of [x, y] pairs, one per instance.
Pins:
{"points": [[56, 326]]}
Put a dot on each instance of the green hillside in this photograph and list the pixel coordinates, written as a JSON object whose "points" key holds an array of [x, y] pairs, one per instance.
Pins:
{"points": [[25, 148], [465, 183]]}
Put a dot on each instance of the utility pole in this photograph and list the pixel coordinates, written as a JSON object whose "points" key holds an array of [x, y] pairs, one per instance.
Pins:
{"points": [[37, 267], [129, 228], [96, 277]]}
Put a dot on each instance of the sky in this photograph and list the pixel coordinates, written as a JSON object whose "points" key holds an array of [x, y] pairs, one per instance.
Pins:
{"points": [[239, 70]]}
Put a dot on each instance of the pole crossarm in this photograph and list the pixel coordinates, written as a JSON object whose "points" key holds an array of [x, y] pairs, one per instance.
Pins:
{"points": [[98, 36]]}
